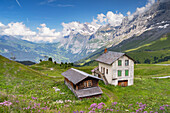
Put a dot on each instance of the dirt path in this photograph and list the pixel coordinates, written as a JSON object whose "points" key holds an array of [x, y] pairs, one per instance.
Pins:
{"points": [[112, 97]]}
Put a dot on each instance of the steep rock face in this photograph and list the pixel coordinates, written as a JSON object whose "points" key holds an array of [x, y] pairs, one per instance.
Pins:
{"points": [[156, 18]]}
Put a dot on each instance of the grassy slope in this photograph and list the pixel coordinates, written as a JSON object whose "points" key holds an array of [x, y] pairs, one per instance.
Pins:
{"points": [[159, 48], [17, 79], [139, 50], [153, 92], [23, 83]]}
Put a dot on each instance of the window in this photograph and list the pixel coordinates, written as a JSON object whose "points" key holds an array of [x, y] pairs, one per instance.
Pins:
{"points": [[119, 62], [101, 69], [126, 62], [85, 84], [106, 71], [126, 72], [89, 83], [119, 73]]}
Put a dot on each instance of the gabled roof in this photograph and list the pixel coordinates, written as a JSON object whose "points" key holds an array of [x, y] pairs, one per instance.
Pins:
{"points": [[75, 76], [109, 57], [88, 92]]}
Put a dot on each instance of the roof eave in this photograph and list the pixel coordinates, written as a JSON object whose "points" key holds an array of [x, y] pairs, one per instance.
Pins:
{"points": [[103, 62], [90, 95], [129, 57]]}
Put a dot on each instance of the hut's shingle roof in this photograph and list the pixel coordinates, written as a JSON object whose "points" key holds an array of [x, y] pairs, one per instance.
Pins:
{"points": [[88, 92], [109, 57], [75, 76]]}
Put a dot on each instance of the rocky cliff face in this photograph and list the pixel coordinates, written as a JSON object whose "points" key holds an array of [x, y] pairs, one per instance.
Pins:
{"points": [[89, 39]]}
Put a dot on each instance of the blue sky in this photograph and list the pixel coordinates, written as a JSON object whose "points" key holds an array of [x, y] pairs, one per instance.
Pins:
{"points": [[53, 12]]}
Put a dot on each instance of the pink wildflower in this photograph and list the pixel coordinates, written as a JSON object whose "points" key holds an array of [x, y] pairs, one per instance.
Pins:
{"points": [[94, 105], [114, 103], [17, 101], [34, 98], [111, 109], [6, 103], [101, 104], [100, 107]]}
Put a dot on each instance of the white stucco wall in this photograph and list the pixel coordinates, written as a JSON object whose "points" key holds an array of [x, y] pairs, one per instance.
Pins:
{"points": [[110, 72], [113, 71]]}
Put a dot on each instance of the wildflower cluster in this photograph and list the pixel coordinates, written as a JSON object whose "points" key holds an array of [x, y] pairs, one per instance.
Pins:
{"points": [[6, 103], [98, 107], [34, 104]]}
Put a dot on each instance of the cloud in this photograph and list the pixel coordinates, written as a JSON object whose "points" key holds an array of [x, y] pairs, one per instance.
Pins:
{"points": [[141, 9], [47, 2], [18, 3], [65, 5], [2, 25], [16, 29], [50, 1], [74, 27], [114, 19], [44, 31], [128, 13], [53, 3], [44, 34], [95, 23], [101, 17]]}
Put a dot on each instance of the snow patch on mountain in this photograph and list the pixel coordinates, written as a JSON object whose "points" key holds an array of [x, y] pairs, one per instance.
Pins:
{"points": [[165, 26]]}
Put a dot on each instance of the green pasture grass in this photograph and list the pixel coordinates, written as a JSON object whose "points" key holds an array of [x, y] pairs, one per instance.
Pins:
{"points": [[25, 82], [166, 62]]}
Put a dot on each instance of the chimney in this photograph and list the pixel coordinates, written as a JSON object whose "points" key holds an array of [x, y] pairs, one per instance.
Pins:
{"points": [[105, 50]]}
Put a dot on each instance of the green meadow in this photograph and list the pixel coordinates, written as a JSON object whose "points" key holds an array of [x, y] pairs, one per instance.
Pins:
{"points": [[32, 89]]}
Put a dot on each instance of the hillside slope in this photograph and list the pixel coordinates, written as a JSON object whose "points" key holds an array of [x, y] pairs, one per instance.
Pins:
{"points": [[154, 52], [141, 50], [26, 87]]}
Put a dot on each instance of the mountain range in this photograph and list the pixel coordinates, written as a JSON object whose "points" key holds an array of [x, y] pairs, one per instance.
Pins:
{"points": [[77, 44]]}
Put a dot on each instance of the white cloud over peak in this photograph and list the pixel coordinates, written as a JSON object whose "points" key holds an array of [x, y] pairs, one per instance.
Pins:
{"points": [[114, 19], [141, 9], [101, 17], [2, 25], [95, 23], [71, 27], [77, 27], [128, 13]]}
